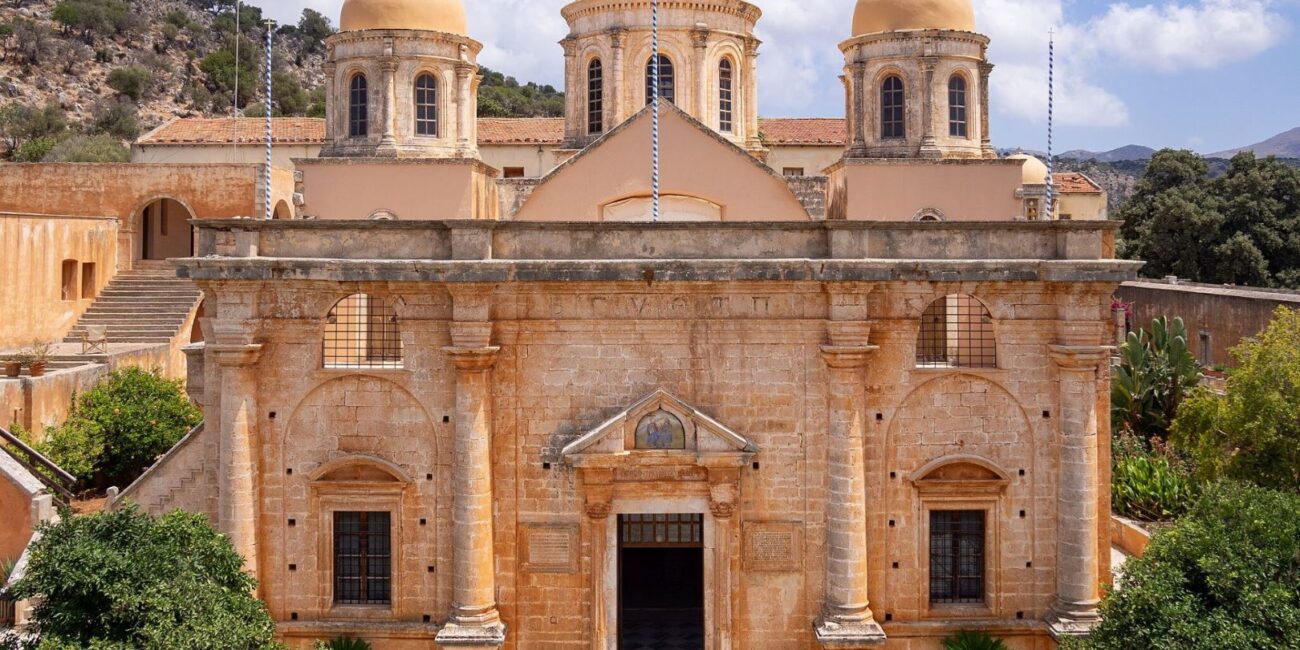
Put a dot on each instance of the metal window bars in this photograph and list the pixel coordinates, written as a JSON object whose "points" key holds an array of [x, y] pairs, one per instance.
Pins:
{"points": [[661, 530], [956, 557], [363, 558], [956, 332], [362, 331]]}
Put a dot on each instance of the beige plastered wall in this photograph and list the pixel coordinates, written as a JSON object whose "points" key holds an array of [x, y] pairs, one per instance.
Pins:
{"points": [[121, 190], [813, 160], [694, 163], [32, 251], [411, 190], [886, 190], [282, 155], [536, 160], [1082, 207]]}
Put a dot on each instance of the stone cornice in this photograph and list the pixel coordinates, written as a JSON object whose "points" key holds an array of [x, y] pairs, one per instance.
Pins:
{"points": [[847, 357], [915, 35], [235, 356], [737, 8], [473, 359], [1080, 357]]}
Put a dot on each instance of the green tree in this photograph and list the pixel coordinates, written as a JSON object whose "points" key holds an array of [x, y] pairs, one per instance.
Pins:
{"points": [[1156, 372], [313, 28], [1224, 577], [116, 118], [132, 81], [89, 149], [1251, 433], [35, 150], [20, 123], [124, 580], [503, 96]]}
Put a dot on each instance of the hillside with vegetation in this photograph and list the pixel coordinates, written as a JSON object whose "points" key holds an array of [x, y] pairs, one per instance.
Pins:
{"points": [[81, 78]]}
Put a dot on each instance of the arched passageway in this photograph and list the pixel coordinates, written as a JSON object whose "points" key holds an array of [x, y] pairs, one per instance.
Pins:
{"points": [[164, 230]]}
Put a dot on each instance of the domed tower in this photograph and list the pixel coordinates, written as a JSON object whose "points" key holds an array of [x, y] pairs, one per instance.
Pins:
{"points": [[917, 76], [401, 81], [708, 62]]}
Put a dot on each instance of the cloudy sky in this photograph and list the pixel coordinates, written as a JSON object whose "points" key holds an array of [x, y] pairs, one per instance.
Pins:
{"points": [[1202, 74]]}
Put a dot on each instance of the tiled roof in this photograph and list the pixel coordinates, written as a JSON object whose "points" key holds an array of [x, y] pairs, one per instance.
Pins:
{"points": [[812, 131], [520, 130], [804, 131], [1074, 183], [284, 130]]}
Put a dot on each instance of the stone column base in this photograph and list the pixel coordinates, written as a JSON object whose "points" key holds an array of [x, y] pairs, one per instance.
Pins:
{"points": [[472, 637], [1072, 620], [849, 635]]}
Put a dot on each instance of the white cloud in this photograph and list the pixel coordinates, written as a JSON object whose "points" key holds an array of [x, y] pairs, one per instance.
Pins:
{"points": [[1175, 37]]}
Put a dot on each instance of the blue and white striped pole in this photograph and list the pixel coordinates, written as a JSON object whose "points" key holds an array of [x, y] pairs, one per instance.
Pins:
{"points": [[266, 173], [1051, 107], [654, 108]]}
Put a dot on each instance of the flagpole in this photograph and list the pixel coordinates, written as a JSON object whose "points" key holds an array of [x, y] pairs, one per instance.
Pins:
{"points": [[266, 173], [1051, 107], [654, 109]]}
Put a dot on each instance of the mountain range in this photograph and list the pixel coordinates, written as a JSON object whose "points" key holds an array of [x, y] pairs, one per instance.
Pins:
{"points": [[1282, 145]]}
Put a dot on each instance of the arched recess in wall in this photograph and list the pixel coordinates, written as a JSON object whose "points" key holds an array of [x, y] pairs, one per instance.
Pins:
{"points": [[163, 230], [282, 210], [196, 330]]}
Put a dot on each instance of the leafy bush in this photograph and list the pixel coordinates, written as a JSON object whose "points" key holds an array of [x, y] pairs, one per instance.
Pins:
{"points": [[36, 149], [1252, 433], [89, 148], [123, 580], [973, 641], [118, 119], [1156, 372], [118, 428], [1150, 488], [341, 643], [1223, 577], [132, 81], [20, 123]]}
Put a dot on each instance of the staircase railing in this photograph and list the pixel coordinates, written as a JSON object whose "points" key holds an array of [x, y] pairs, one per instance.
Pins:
{"points": [[50, 475]]}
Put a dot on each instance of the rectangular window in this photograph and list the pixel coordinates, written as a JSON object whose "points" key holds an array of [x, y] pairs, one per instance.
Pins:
{"points": [[792, 171], [956, 557], [362, 558], [1207, 350], [69, 291], [87, 280], [513, 172]]}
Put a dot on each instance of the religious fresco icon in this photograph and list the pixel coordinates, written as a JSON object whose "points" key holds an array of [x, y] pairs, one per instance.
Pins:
{"points": [[660, 430]]}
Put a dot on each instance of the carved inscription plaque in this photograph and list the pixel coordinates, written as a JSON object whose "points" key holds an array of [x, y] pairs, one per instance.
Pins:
{"points": [[773, 546], [550, 548]]}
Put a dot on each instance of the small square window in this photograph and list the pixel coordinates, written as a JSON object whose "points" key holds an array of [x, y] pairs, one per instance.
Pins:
{"points": [[792, 171], [513, 172]]}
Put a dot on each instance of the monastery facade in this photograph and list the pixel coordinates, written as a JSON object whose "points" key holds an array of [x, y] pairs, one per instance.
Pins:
{"points": [[865, 408]]}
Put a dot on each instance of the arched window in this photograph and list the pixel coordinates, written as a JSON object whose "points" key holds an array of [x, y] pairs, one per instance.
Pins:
{"points": [[358, 107], [957, 106], [956, 332], [426, 105], [362, 331], [666, 89], [893, 109], [595, 97], [724, 95]]}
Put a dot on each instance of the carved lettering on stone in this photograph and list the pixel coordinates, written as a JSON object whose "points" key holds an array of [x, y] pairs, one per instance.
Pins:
{"points": [[550, 548], [773, 546]]}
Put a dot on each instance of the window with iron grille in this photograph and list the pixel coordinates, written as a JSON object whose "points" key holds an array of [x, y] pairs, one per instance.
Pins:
{"points": [[893, 119], [595, 97], [957, 106], [667, 91], [724, 96], [362, 331], [956, 557], [686, 530], [956, 332], [363, 558], [358, 107], [426, 105]]}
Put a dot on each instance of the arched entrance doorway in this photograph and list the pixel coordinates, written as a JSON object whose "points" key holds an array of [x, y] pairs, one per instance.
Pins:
{"points": [[164, 230], [282, 211]]}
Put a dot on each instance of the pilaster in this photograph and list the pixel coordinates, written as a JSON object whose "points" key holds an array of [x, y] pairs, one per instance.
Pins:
{"points": [[700, 41], [986, 140], [464, 148], [857, 82], [574, 78], [750, 79], [618, 42], [237, 356], [388, 143], [929, 146]]}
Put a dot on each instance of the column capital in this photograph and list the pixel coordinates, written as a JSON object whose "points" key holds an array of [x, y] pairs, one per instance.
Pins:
{"points": [[847, 357], [235, 355], [986, 68], [929, 63], [473, 359], [751, 47], [700, 38], [388, 64], [1080, 357], [570, 46], [618, 38], [464, 70]]}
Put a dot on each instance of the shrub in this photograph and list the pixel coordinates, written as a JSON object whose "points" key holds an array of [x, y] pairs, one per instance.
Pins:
{"points": [[117, 119], [965, 640], [1251, 433], [89, 148], [36, 149], [120, 580], [1156, 372], [1150, 488], [1223, 577], [132, 81], [341, 643], [76, 447]]}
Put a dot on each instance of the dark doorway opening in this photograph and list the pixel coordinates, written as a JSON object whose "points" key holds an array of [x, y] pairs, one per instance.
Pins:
{"points": [[661, 582]]}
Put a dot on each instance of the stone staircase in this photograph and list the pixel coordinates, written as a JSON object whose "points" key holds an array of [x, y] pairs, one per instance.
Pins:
{"points": [[141, 306]]}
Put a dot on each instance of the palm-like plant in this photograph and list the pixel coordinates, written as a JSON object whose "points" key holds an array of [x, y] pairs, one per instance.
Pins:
{"points": [[966, 640], [1156, 371], [342, 643]]}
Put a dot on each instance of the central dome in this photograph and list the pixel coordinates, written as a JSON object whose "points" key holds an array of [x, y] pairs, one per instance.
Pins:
{"points": [[876, 16], [434, 15]]}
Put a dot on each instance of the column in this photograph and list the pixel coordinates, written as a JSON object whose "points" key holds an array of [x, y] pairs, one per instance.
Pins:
{"points": [[750, 79], [388, 143], [331, 132], [929, 148], [1077, 519], [986, 140], [700, 41], [847, 620], [574, 78], [724, 493], [617, 84], [237, 358], [598, 484], [857, 90], [475, 622], [463, 108]]}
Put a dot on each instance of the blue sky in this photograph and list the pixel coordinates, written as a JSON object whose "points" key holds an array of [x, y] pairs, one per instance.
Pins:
{"points": [[1202, 74]]}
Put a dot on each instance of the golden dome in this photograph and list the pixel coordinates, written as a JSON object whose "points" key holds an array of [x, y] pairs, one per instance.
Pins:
{"points": [[1033, 171], [435, 15], [876, 16]]}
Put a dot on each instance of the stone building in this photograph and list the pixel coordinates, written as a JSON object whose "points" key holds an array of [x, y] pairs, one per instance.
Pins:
{"points": [[462, 411]]}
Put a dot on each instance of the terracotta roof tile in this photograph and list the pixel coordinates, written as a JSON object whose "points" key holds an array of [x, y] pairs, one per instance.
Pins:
{"points": [[284, 130], [520, 130], [803, 131], [1074, 183]]}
